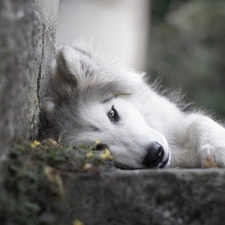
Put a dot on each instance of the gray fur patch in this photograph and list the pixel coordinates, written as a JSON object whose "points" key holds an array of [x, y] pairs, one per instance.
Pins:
{"points": [[95, 129]]}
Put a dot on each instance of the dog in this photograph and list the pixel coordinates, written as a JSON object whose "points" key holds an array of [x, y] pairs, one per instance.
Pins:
{"points": [[90, 98]]}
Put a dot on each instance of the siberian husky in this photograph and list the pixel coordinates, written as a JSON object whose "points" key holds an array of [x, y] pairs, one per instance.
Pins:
{"points": [[90, 98]]}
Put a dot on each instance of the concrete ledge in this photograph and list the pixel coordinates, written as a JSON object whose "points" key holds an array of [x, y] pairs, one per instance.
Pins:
{"points": [[165, 197]]}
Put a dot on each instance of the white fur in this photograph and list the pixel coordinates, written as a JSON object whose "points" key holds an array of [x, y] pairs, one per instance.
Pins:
{"points": [[85, 86]]}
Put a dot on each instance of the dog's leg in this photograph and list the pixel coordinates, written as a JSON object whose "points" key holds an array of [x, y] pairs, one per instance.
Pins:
{"points": [[207, 137]]}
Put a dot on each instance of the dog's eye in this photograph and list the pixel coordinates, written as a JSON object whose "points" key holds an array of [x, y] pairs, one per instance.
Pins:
{"points": [[113, 115]]}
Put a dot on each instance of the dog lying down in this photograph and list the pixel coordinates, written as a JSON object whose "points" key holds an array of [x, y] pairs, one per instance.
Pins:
{"points": [[90, 98]]}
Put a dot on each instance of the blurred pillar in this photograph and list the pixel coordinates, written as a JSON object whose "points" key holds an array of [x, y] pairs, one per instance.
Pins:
{"points": [[26, 50], [119, 28]]}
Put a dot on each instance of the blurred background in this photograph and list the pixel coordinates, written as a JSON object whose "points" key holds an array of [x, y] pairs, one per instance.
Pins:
{"points": [[180, 42]]}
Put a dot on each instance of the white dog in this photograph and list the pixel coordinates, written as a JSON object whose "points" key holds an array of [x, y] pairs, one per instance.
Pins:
{"points": [[90, 98]]}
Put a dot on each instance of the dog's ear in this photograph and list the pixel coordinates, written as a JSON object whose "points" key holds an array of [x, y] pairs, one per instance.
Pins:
{"points": [[67, 65], [73, 64]]}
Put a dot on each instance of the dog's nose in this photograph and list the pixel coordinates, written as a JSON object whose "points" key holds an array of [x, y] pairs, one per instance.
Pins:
{"points": [[154, 156]]}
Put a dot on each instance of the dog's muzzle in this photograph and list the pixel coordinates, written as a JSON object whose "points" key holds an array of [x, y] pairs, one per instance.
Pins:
{"points": [[154, 156]]}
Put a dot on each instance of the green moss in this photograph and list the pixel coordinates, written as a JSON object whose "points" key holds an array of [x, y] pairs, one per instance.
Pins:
{"points": [[31, 186]]}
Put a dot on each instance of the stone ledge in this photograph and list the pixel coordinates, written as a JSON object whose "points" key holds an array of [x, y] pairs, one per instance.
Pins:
{"points": [[165, 197]]}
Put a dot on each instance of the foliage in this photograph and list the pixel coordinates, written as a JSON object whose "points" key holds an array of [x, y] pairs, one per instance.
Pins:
{"points": [[188, 48], [32, 187]]}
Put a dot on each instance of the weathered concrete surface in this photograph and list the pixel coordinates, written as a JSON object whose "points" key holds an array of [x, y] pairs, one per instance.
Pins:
{"points": [[151, 197], [24, 40], [48, 11], [20, 58]]}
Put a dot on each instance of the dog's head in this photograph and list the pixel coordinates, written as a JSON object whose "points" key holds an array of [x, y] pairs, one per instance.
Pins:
{"points": [[91, 99]]}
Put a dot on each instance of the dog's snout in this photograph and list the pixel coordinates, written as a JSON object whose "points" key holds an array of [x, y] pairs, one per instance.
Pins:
{"points": [[154, 156], [100, 147]]}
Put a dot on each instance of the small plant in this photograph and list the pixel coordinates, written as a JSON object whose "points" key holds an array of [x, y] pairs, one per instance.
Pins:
{"points": [[31, 185]]}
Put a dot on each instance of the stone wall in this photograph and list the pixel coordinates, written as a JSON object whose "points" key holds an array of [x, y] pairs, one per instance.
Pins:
{"points": [[27, 46], [146, 197]]}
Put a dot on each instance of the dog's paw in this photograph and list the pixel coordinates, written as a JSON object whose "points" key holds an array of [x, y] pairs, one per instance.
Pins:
{"points": [[212, 156]]}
